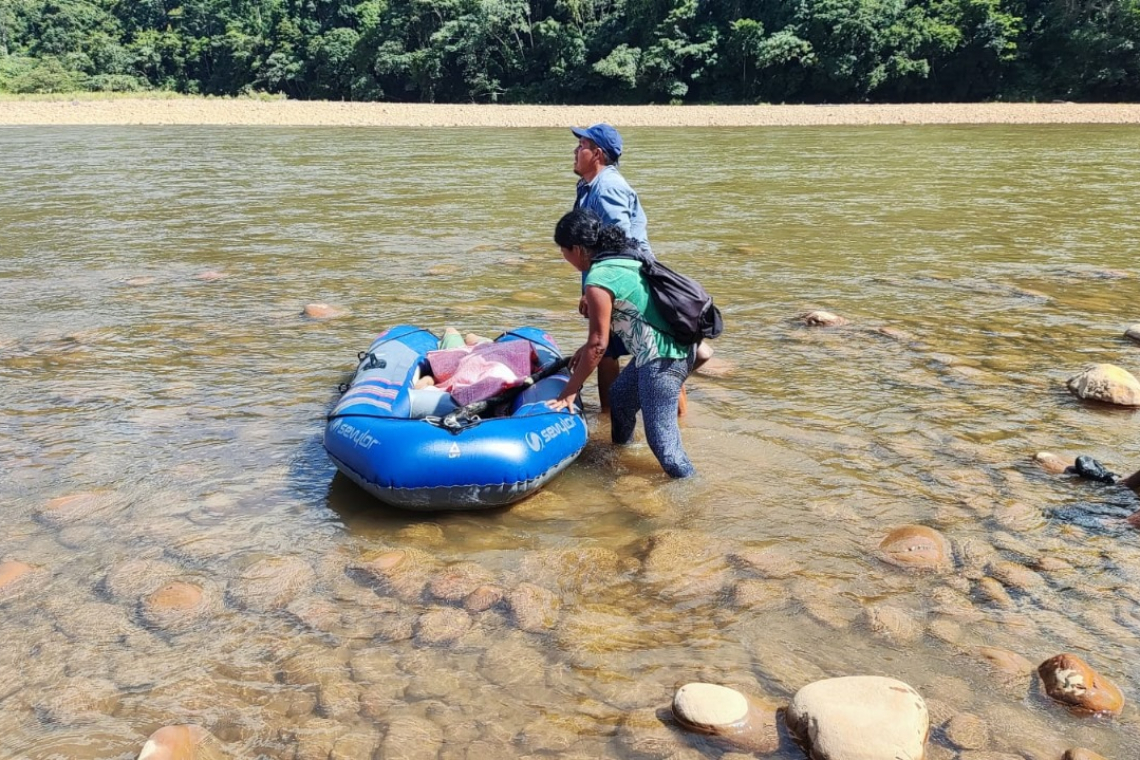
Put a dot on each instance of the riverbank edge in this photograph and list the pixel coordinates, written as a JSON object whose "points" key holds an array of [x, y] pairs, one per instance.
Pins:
{"points": [[249, 112]]}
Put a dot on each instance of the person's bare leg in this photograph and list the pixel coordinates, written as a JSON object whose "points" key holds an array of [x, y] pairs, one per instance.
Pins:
{"points": [[1132, 481], [608, 371], [682, 403], [704, 353]]}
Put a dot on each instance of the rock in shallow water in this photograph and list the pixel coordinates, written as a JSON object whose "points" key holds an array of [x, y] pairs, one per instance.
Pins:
{"points": [[1106, 383], [1071, 681], [859, 718], [185, 742], [733, 720], [916, 547]]}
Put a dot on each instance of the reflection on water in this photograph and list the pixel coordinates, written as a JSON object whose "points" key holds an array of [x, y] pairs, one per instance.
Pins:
{"points": [[185, 552]]}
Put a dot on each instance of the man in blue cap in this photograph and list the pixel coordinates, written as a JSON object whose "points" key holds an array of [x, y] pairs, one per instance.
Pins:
{"points": [[603, 190]]}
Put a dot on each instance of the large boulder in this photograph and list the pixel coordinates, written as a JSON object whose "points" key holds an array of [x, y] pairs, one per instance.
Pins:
{"points": [[859, 718], [1071, 681], [1107, 383]]}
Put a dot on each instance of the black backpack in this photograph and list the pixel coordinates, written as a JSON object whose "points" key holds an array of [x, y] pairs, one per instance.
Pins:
{"points": [[680, 300]]}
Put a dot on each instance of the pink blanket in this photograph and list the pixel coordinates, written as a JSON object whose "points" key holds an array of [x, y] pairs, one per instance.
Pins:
{"points": [[474, 373]]}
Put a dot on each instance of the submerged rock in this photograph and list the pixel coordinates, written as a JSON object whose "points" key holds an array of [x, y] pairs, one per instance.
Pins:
{"points": [[820, 318], [78, 507], [177, 605], [859, 718], [1071, 681], [1107, 383], [321, 311], [967, 731], [1080, 753], [456, 582], [272, 583], [402, 573], [1050, 462], [442, 626], [15, 578], [731, 719], [916, 547], [646, 734], [1011, 667], [183, 742], [533, 608], [1133, 332]]}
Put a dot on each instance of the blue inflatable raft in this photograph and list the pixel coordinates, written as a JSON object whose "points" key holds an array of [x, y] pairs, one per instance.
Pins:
{"points": [[391, 438]]}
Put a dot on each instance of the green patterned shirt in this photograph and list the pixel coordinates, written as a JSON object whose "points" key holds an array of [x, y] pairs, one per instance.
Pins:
{"points": [[635, 319]]}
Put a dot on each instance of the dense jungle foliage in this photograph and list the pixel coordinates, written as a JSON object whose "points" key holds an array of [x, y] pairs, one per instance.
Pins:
{"points": [[575, 51]]}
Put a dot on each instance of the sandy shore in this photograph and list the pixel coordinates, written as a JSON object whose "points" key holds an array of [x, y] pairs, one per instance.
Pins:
{"points": [[221, 111]]}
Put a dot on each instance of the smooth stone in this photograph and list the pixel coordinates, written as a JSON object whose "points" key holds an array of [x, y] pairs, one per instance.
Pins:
{"points": [[14, 576], [321, 311], [182, 742], [1107, 383], [859, 718], [732, 719], [1133, 332], [916, 547], [1071, 681], [176, 605], [821, 318], [1015, 576], [1050, 462], [1080, 753], [1006, 661]]}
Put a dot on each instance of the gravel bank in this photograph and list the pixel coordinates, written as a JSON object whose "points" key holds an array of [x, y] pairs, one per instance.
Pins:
{"points": [[296, 113]]}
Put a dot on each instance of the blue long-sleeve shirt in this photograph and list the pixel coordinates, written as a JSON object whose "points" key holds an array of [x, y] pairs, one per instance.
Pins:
{"points": [[610, 197]]}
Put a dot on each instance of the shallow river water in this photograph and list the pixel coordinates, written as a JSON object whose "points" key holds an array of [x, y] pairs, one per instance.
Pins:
{"points": [[163, 401]]}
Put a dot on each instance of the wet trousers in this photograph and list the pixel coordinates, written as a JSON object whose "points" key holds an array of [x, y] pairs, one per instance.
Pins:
{"points": [[653, 389]]}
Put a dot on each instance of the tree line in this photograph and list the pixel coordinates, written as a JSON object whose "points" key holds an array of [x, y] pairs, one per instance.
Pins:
{"points": [[580, 51]]}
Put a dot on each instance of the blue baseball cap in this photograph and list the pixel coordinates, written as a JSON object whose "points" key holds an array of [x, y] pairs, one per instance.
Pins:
{"points": [[604, 136]]}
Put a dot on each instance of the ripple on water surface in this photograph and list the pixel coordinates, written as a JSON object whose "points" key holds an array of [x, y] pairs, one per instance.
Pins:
{"points": [[179, 550]]}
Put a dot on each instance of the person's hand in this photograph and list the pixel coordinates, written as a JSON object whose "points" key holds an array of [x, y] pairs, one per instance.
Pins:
{"points": [[560, 403], [583, 308]]}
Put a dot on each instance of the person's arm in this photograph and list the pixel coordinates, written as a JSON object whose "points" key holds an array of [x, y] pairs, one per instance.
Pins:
{"points": [[600, 304], [615, 206]]}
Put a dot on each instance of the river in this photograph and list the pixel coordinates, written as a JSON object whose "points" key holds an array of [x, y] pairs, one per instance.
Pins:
{"points": [[156, 368]]}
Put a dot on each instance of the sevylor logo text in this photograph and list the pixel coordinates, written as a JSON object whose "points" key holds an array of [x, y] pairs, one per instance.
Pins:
{"points": [[360, 438], [537, 440]]}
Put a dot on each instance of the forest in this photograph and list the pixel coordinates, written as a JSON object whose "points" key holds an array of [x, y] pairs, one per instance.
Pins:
{"points": [[580, 51]]}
